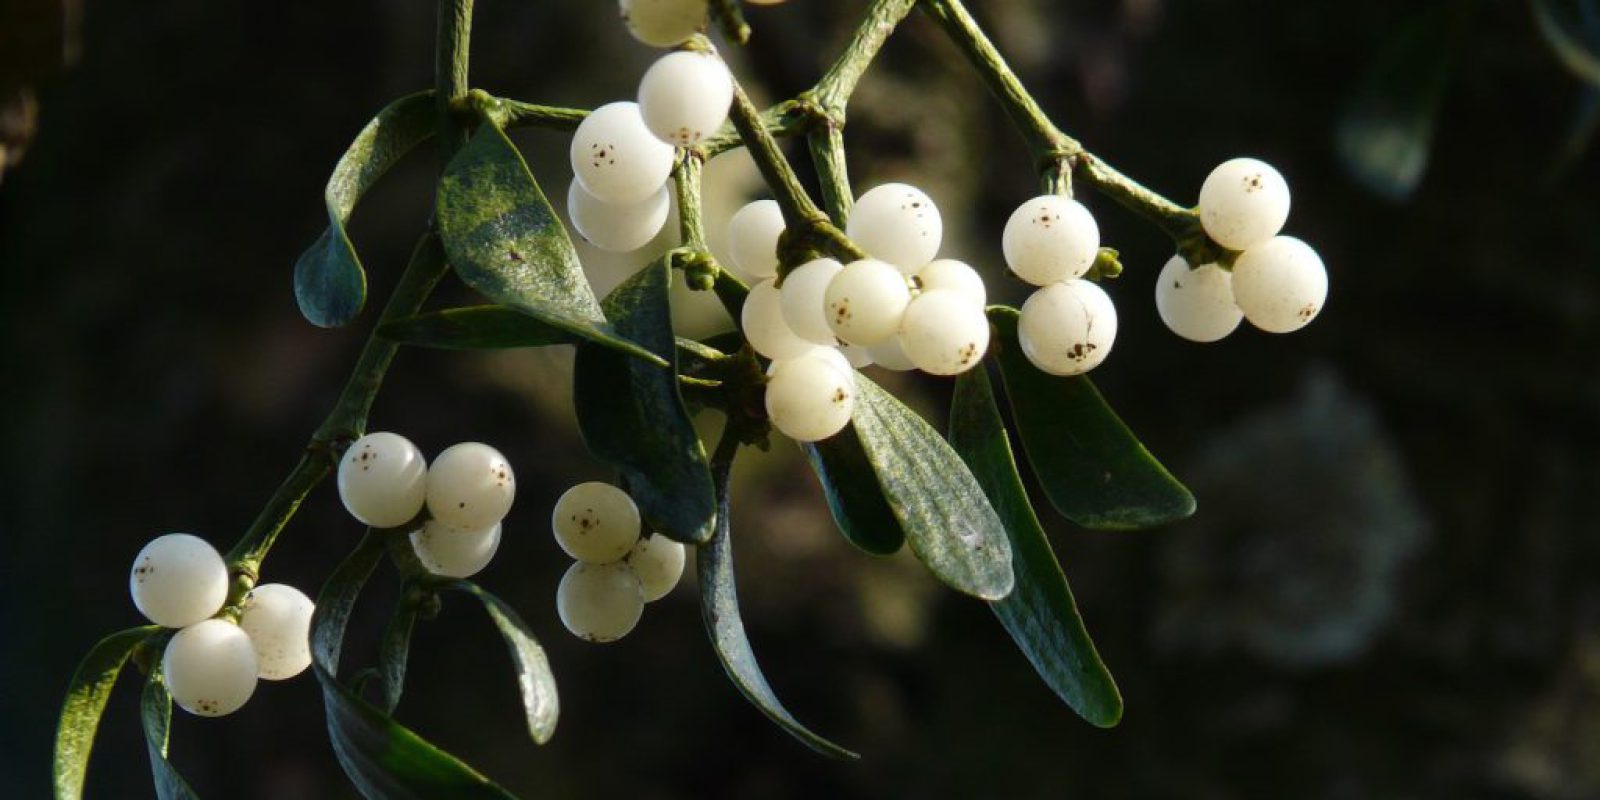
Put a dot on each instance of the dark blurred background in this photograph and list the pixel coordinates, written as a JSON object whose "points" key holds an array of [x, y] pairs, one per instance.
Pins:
{"points": [[1388, 591]]}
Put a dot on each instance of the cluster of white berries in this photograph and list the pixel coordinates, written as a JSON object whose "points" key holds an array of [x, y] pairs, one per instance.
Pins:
{"points": [[602, 596], [1068, 325], [622, 153], [1278, 283], [385, 482], [212, 663], [900, 308]]}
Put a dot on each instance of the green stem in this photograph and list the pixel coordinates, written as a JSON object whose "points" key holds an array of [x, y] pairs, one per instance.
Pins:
{"points": [[827, 156], [731, 15], [799, 211], [509, 113], [686, 184], [451, 52], [833, 90]]}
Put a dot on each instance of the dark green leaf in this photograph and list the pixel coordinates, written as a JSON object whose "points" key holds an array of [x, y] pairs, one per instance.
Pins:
{"points": [[1089, 464], [719, 605], [329, 282], [1040, 614], [536, 682], [475, 328], [1572, 30], [394, 652], [504, 240], [86, 700], [633, 417], [851, 487], [949, 523], [156, 713], [1386, 131], [384, 759]]}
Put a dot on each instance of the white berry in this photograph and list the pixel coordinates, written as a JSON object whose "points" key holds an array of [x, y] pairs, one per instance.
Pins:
{"points": [[277, 618], [856, 356], [383, 480], [1280, 284], [595, 522], [866, 300], [956, 276], [804, 290], [897, 223], [891, 355], [1243, 202], [810, 398], [1050, 239], [1196, 304], [600, 602], [453, 552], [658, 563], [617, 158], [663, 23], [753, 238], [210, 668], [617, 228], [944, 332], [178, 580], [1068, 328], [684, 97], [763, 324], [470, 485]]}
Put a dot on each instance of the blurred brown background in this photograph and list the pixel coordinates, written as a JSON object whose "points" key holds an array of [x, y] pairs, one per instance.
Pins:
{"points": [[1388, 589]]}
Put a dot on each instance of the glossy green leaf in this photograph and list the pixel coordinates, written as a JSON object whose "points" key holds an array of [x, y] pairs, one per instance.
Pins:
{"points": [[719, 605], [87, 693], [329, 282], [156, 714], [475, 328], [503, 238], [854, 498], [946, 518], [633, 417], [1385, 133], [1571, 28], [1040, 614], [384, 759], [1091, 467], [535, 680], [395, 651]]}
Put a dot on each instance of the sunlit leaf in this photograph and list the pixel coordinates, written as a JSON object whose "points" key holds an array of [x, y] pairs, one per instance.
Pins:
{"points": [[1040, 614], [329, 281], [947, 520], [535, 681], [156, 713], [719, 605], [87, 693], [1091, 467], [633, 417], [503, 238]]}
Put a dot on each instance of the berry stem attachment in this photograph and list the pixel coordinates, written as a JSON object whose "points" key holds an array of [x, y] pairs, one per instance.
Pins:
{"points": [[731, 15]]}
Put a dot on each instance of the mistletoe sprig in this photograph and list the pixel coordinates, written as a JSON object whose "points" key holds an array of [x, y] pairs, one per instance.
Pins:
{"points": [[852, 281]]}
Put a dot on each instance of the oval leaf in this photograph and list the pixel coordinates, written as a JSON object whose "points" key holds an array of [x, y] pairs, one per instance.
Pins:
{"points": [[633, 417], [534, 678], [394, 652], [86, 700], [945, 516], [1040, 614], [1091, 467], [719, 605], [383, 758], [475, 328], [156, 713], [504, 240], [851, 488], [329, 282]]}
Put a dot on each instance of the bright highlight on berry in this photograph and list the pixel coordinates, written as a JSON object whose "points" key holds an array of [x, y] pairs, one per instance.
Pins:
{"points": [[897, 223], [944, 332], [956, 276], [684, 97], [753, 238], [804, 300], [595, 522], [210, 668], [470, 486], [277, 618], [1280, 284], [1067, 328], [764, 326], [663, 23], [1050, 239], [383, 480], [178, 580], [1243, 202], [617, 228], [1196, 304], [617, 158], [866, 300], [600, 602]]}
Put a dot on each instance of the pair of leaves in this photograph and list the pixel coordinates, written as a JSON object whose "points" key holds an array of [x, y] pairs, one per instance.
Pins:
{"points": [[383, 758], [633, 417]]}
